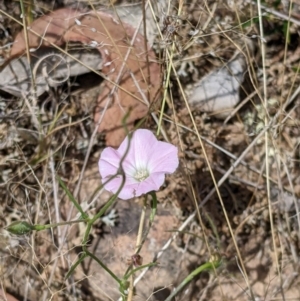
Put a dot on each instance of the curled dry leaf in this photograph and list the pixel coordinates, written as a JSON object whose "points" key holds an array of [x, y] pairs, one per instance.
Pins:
{"points": [[129, 65], [50, 67]]}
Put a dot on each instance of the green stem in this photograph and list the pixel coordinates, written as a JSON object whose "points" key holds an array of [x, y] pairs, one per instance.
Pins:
{"points": [[90, 221], [151, 264], [75, 265], [153, 207], [104, 267], [85, 242], [97, 216], [72, 199], [204, 267], [151, 219], [140, 241], [48, 226]]}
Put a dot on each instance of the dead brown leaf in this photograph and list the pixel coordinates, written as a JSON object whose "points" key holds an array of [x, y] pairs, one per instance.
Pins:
{"points": [[6, 296], [132, 80]]}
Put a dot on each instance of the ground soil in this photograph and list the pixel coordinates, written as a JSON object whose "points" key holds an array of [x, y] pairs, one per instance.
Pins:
{"points": [[265, 227]]}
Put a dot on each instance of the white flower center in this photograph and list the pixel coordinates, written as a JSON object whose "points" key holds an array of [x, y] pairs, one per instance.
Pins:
{"points": [[141, 175]]}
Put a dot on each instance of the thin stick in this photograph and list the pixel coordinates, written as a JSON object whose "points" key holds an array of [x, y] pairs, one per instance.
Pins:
{"points": [[137, 246]]}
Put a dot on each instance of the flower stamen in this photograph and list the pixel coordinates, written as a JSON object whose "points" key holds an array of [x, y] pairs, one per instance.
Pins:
{"points": [[141, 174]]}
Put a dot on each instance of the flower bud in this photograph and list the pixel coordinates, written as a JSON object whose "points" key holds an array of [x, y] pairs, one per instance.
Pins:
{"points": [[124, 285], [19, 228]]}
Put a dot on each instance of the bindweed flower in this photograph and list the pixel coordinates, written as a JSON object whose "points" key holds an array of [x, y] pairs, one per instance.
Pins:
{"points": [[145, 165]]}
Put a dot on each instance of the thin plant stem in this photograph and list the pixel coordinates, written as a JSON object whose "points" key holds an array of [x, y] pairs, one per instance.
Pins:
{"points": [[166, 86], [104, 266], [71, 197], [26, 38], [151, 219], [141, 238], [204, 267], [75, 265], [49, 226], [141, 226], [91, 221], [153, 207], [149, 265], [138, 245]]}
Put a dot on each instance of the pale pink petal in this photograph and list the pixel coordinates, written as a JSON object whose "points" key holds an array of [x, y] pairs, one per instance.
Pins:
{"points": [[164, 158], [109, 162], [113, 185], [140, 188], [153, 182], [128, 191], [128, 167], [142, 143], [136, 189], [123, 146], [140, 149]]}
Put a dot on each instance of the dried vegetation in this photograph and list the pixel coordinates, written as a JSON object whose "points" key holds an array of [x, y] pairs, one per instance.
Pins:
{"points": [[252, 220]]}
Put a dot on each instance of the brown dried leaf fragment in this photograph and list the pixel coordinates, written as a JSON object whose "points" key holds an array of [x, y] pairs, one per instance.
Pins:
{"points": [[47, 30], [133, 77], [6, 296]]}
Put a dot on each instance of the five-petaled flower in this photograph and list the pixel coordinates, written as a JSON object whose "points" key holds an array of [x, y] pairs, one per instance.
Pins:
{"points": [[145, 165]]}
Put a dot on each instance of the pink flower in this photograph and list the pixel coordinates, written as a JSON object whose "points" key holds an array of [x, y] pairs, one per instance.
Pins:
{"points": [[145, 165]]}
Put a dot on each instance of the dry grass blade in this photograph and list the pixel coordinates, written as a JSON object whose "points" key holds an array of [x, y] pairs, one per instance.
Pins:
{"points": [[236, 195]]}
